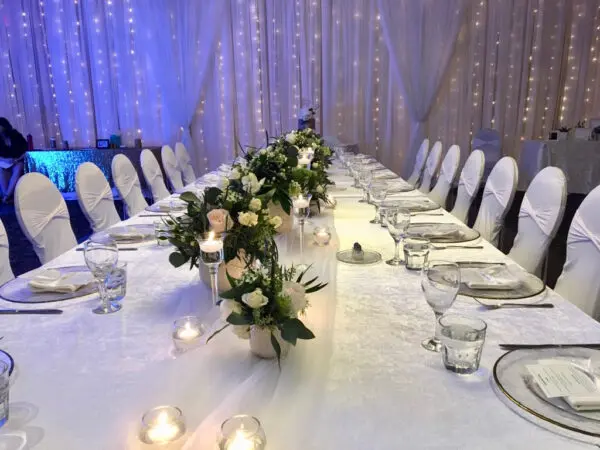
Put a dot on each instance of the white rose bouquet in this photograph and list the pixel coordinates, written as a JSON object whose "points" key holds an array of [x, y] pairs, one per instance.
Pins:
{"points": [[269, 299]]}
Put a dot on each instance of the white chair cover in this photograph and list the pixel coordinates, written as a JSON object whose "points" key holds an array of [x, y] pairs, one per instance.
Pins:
{"points": [[95, 197], [185, 163], [153, 175], [488, 141], [171, 168], [417, 172], [448, 171], [497, 197], [6, 273], [539, 218], [468, 185], [431, 167], [579, 282], [128, 184], [43, 216]]}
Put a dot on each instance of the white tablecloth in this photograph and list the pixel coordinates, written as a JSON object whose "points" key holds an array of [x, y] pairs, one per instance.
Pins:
{"points": [[578, 159], [83, 381]]}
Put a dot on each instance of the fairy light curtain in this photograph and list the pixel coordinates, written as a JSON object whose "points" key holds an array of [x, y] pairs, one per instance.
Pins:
{"points": [[81, 69]]}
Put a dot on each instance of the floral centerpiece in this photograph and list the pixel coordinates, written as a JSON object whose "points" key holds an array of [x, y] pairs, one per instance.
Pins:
{"points": [[307, 118], [263, 306]]}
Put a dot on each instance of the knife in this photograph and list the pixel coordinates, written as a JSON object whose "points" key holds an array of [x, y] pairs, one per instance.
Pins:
{"points": [[31, 311], [543, 346]]}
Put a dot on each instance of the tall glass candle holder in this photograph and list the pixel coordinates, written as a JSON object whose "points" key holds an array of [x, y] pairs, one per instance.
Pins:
{"points": [[211, 254], [301, 206], [242, 433]]}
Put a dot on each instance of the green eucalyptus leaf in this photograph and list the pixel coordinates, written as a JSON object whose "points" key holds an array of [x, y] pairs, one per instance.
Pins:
{"points": [[211, 195], [190, 197], [239, 319], [277, 349]]}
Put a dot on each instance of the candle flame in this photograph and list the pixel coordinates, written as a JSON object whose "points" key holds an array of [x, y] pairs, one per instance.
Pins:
{"points": [[162, 418], [211, 236]]}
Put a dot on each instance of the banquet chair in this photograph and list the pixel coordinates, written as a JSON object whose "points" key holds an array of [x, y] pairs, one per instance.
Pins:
{"points": [[488, 141], [6, 273], [185, 163], [448, 171], [153, 175], [579, 282], [43, 216], [171, 168], [417, 172], [432, 166], [498, 195], [95, 197], [468, 185], [540, 216], [128, 184]]}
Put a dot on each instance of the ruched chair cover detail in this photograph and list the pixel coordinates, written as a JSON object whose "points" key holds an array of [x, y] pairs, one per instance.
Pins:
{"points": [[127, 183], [43, 216], [498, 195], [420, 160], [490, 142], [448, 172], [540, 216], [153, 175], [171, 168], [468, 185], [580, 279], [185, 163], [431, 167], [6, 273], [95, 197]]}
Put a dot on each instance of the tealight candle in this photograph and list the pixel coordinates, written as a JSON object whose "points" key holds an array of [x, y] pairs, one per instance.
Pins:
{"points": [[242, 433], [300, 202], [211, 245], [162, 425], [303, 161], [186, 332], [322, 236]]}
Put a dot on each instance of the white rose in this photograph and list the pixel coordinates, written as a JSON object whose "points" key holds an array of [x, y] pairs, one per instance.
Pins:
{"points": [[223, 183], [255, 299], [276, 221], [320, 189], [235, 174], [251, 183], [248, 219], [262, 151], [291, 137], [315, 165], [241, 331], [255, 204], [229, 306], [269, 148], [297, 294]]}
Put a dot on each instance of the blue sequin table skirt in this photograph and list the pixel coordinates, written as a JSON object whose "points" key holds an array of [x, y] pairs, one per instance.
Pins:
{"points": [[61, 165]]}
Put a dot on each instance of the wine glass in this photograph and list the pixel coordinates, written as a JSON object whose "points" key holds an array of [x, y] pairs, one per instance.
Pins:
{"points": [[440, 281], [377, 193], [101, 255], [397, 221], [365, 176]]}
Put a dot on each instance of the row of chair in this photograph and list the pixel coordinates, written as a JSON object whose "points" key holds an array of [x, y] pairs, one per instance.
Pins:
{"points": [[540, 215]]}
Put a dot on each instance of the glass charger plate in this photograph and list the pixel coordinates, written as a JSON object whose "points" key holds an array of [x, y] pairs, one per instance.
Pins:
{"points": [[18, 290], [370, 257], [8, 360], [512, 382], [129, 234], [413, 206], [443, 233], [529, 286], [165, 208]]}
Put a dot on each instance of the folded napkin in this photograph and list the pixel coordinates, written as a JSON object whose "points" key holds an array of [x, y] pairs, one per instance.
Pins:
{"points": [[53, 280], [170, 205], [496, 277], [441, 231], [126, 234]]}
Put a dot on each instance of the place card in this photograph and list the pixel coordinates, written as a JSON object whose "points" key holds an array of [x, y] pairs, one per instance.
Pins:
{"points": [[558, 378]]}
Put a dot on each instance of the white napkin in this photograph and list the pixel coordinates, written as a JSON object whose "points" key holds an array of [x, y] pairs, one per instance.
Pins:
{"points": [[53, 280], [441, 231], [496, 277], [170, 205], [126, 234]]}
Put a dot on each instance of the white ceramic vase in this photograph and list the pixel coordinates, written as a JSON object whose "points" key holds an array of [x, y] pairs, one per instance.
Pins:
{"points": [[275, 209], [261, 346]]}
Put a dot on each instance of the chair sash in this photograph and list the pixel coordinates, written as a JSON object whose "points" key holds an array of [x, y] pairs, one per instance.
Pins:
{"points": [[95, 197], [579, 233], [128, 184]]}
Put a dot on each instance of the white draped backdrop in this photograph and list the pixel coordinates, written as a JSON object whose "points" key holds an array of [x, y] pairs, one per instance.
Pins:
{"points": [[382, 72]]}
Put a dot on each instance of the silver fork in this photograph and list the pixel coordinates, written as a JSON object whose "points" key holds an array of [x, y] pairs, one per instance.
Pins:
{"points": [[518, 305], [448, 247]]}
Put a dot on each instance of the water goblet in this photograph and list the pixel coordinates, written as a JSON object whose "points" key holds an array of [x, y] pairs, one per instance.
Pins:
{"points": [[397, 221], [440, 281], [365, 176], [101, 255], [211, 254], [377, 193], [301, 206]]}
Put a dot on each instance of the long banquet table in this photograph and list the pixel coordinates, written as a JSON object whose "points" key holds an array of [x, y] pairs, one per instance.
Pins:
{"points": [[83, 381]]}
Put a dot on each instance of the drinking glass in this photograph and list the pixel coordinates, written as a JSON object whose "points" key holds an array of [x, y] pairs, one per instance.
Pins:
{"points": [[116, 283], [355, 167], [162, 232], [101, 256], [377, 193], [440, 281], [365, 176], [4, 388], [462, 342], [397, 221], [416, 252]]}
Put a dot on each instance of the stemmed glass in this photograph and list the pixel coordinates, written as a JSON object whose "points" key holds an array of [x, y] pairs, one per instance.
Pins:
{"points": [[440, 281], [101, 255], [301, 205], [211, 253], [365, 176], [377, 193], [397, 221]]}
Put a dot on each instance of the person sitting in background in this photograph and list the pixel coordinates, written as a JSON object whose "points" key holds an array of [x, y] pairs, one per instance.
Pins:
{"points": [[12, 152]]}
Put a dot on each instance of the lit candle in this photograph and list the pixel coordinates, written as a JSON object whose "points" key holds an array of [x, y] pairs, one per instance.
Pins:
{"points": [[322, 236], [240, 441], [188, 332], [303, 161], [211, 245], [162, 425], [300, 202]]}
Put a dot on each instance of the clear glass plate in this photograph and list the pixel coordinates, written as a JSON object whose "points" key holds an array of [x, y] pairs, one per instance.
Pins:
{"points": [[413, 206], [370, 257], [129, 234], [443, 233], [512, 382]]}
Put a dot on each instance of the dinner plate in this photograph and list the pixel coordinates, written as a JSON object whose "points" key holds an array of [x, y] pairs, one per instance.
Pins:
{"points": [[6, 358], [129, 234], [18, 291], [512, 383], [442, 233], [177, 206]]}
